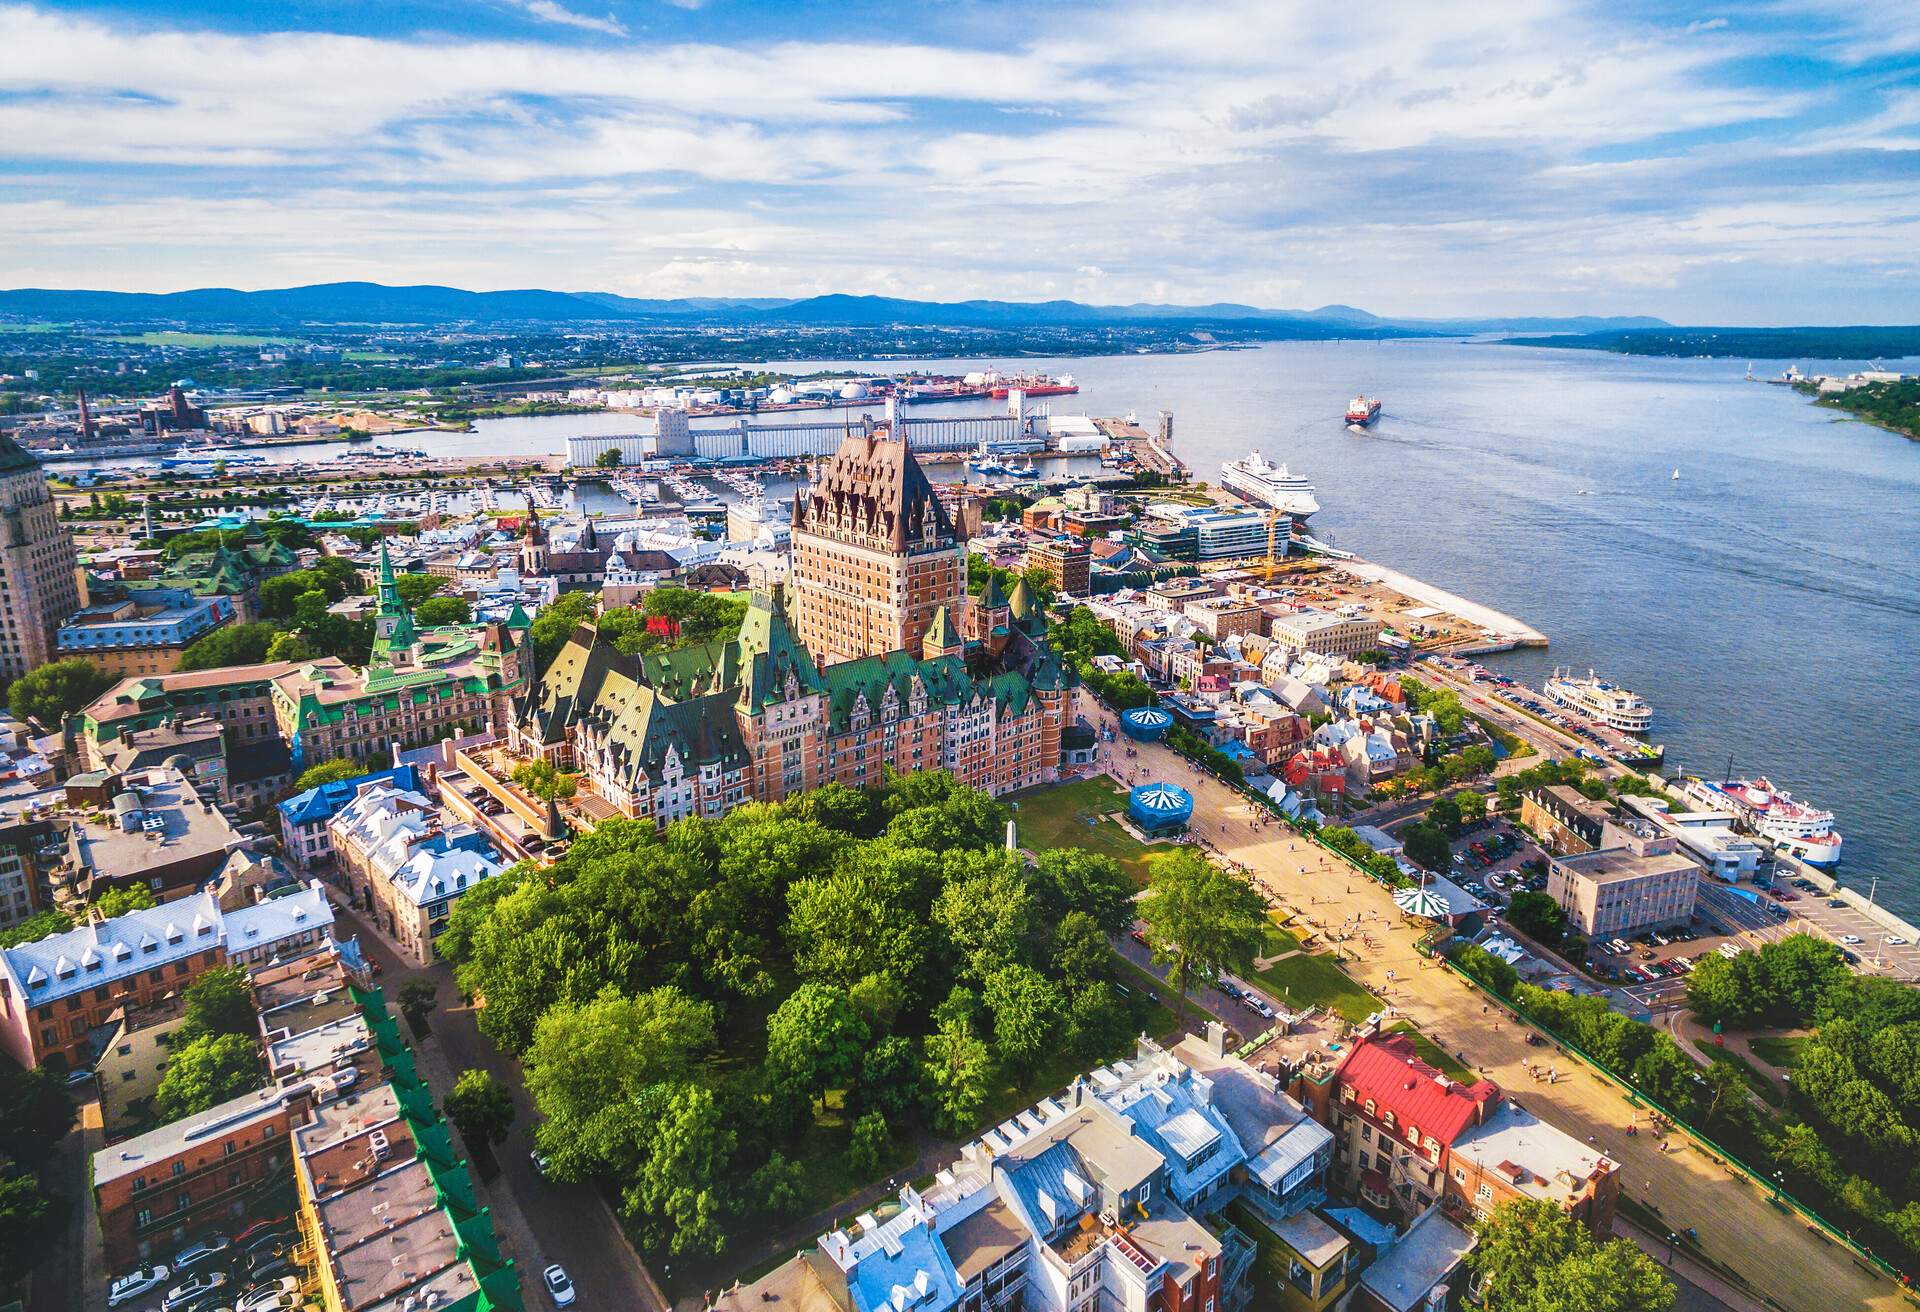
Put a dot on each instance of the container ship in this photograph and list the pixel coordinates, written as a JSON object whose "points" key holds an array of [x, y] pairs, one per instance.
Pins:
{"points": [[1271, 485], [1606, 702], [1799, 830], [1034, 385], [1363, 410]]}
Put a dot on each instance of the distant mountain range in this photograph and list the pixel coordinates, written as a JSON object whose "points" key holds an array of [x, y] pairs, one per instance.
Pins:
{"points": [[369, 303]]}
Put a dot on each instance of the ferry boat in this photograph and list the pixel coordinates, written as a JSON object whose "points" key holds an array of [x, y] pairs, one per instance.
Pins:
{"points": [[1271, 485], [1363, 410], [206, 457], [1608, 703], [1792, 827]]}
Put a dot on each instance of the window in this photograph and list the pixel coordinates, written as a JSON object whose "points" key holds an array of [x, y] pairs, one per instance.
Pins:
{"points": [[143, 1218], [1484, 1193]]}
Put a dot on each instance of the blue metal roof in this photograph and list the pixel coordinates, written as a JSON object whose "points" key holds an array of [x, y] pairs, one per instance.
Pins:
{"points": [[319, 805]]}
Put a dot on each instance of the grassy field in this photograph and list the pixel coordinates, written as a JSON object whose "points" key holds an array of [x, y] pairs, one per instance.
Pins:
{"points": [[1279, 940], [1433, 1054], [1070, 815], [1309, 980], [1778, 1051], [30, 327], [198, 339], [1768, 1089]]}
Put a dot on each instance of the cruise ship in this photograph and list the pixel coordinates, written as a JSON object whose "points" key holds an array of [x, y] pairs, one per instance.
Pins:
{"points": [[1803, 831], [1270, 485], [1606, 702]]}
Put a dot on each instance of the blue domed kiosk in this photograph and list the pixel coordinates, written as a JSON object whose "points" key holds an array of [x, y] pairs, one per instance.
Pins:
{"points": [[1160, 808], [1145, 723]]}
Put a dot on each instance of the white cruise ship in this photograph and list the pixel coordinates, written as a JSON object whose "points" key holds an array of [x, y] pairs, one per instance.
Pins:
{"points": [[1270, 485], [1792, 827], [1606, 702]]}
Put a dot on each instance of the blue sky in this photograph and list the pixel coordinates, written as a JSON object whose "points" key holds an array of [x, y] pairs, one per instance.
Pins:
{"points": [[1749, 163]]}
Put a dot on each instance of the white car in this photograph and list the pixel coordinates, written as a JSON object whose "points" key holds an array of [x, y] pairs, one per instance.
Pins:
{"points": [[136, 1283], [1895, 941], [200, 1252], [279, 1293], [559, 1288], [268, 1303], [192, 1291], [1851, 940]]}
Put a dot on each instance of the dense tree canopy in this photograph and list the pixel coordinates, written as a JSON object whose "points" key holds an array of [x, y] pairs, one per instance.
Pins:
{"points": [[328, 772], [204, 1073], [236, 644], [52, 692], [1200, 919], [220, 1001], [1533, 1257]]}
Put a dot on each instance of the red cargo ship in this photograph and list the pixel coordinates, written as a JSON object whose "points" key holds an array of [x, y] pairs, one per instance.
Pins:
{"points": [[1035, 385]]}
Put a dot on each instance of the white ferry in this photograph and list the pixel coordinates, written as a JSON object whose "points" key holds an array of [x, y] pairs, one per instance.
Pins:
{"points": [[1608, 703], [1792, 827], [206, 457], [1270, 485]]}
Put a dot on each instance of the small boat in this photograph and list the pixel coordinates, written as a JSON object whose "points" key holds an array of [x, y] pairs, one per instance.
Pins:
{"points": [[1676, 476], [1585, 493]]}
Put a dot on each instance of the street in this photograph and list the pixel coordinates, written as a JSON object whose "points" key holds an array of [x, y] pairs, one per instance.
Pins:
{"points": [[1769, 1248], [540, 1221]]}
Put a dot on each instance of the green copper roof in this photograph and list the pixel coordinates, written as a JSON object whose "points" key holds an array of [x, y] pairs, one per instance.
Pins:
{"points": [[941, 635], [991, 598]]}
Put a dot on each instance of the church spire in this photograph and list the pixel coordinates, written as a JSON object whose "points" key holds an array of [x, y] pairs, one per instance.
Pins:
{"points": [[394, 634]]}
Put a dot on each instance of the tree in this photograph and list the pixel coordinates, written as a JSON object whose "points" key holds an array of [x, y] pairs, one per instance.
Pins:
{"points": [[219, 1002], [204, 1073], [1201, 919], [1027, 1009], [120, 900], [867, 1145], [31, 1222], [779, 1186], [1098, 1024], [546, 781], [328, 772], [416, 588], [891, 1081], [986, 910], [1472, 806], [481, 1106], [1070, 879], [556, 623], [291, 647], [35, 927], [590, 1064], [815, 1040], [1487, 968], [683, 1181], [236, 644], [1537, 916], [437, 612], [1533, 1257], [1081, 953], [418, 998], [35, 1113], [959, 1075], [50, 693], [1426, 845], [609, 459]]}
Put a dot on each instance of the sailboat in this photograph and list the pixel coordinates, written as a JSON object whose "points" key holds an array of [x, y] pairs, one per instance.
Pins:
{"points": [[1676, 476]]}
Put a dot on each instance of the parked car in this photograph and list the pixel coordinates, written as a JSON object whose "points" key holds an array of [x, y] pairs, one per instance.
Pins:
{"points": [[271, 1266], [559, 1288], [135, 1283], [211, 1246], [1895, 941], [269, 1303], [268, 1295], [271, 1238], [189, 1291]]}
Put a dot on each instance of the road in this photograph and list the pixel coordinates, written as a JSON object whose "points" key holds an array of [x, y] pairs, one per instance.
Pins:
{"points": [[1772, 1251], [540, 1221]]}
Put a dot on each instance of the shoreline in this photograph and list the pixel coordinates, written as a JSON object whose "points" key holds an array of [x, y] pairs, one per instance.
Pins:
{"points": [[1504, 631]]}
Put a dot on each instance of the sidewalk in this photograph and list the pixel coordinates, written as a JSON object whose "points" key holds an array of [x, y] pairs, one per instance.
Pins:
{"points": [[1709, 1289]]}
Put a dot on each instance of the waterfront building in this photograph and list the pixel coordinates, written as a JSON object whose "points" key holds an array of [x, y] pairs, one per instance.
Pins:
{"points": [[874, 554], [419, 686], [238, 697], [1635, 879], [1566, 820], [39, 573], [142, 634], [1322, 633]]}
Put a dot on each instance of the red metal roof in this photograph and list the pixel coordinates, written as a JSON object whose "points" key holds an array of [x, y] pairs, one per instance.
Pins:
{"points": [[1388, 1070]]}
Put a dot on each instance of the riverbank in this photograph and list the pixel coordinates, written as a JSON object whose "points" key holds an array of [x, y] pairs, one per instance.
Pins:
{"points": [[1503, 632]]}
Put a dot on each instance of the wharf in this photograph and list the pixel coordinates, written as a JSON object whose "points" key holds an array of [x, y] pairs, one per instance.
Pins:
{"points": [[1500, 631]]}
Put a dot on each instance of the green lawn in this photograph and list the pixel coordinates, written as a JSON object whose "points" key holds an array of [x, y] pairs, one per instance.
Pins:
{"points": [[1433, 1054], [1778, 1051], [1279, 940], [1071, 815], [1310, 980], [199, 339], [1768, 1089]]}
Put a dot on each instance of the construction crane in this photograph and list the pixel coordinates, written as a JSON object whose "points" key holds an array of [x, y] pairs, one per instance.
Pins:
{"points": [[1273, 525]]}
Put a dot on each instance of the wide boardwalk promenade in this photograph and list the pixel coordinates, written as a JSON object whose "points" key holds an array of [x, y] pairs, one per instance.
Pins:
{"points": [[1738, 1227]]}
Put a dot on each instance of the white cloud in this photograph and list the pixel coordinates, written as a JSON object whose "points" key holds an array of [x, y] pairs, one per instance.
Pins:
{"points": [[549, 12]]}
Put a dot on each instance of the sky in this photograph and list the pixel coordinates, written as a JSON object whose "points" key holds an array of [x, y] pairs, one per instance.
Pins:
{"points": [[1752, 163]]}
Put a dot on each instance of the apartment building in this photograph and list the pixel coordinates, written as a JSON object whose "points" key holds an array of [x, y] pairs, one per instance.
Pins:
{"points": [[39, 573], [1323, 633], [399, 861], [142, 634], [1067, 561], [1636, 879], [304, 816]]}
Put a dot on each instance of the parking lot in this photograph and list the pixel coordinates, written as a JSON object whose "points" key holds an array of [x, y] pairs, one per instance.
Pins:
{"points": [[249, 1271], [1489, 860], [1798, 905]]}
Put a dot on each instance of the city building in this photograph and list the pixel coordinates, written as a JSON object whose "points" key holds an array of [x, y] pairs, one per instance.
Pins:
{"points": [[1424, 1270], [154, 1191], [133, 1059], [239, 698], [1564, 819], [233, 572], [304, 816], [1068, 562], [1223, 617], [1636, 879], [155, 830], [1322, 633], [245, 777], [874, 554], [419, 687], [1214, 533], [32, 848], [174, 415], [39, 573], [56, 993], [144, 633], [1113, 1196], [1410, 1137], [397, 860]]}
